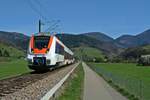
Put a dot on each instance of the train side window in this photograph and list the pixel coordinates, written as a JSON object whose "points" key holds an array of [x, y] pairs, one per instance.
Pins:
{"points": [[59, 49], [68, 56]]}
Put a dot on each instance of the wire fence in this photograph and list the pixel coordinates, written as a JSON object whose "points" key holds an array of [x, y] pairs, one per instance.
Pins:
{"points": [[140, 89]]}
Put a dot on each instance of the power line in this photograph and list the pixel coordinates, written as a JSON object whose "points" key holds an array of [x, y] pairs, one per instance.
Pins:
{"points": [[35, 9], [54, 24], [39, 3]]}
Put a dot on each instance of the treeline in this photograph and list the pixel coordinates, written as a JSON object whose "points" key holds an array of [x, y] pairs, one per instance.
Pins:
{"points": [[4, 53], [132, 55]]}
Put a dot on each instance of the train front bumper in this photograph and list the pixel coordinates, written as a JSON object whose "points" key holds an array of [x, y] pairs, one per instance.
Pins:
{"points": [[38, 62]]}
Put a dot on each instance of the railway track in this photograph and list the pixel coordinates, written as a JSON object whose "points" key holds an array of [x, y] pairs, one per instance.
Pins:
{"points": [[14, 84]]}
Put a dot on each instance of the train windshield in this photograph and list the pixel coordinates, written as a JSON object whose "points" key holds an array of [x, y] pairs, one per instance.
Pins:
{"points": [[41, 41]]}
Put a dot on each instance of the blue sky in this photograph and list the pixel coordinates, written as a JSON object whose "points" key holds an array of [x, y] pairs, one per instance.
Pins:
{"points": [[113, 17]]}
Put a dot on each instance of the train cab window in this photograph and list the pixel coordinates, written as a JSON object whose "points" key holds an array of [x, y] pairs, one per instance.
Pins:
{"points": [[59, 49], [41, 41]]}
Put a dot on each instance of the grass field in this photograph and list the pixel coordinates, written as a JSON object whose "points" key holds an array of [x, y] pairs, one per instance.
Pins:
{"points": [[133, 79], [13, 68], [74, 88]]}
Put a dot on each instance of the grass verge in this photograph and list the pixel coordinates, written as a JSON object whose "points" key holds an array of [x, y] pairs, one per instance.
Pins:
{"points": [[13, 68], [74, 88]]}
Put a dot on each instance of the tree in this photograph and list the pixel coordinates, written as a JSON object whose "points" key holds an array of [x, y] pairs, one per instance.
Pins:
{"points": [[0, 53], [6, 53]]}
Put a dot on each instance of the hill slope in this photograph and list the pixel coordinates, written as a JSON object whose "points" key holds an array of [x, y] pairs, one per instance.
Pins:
{"points": [[89, 53], [14, 39], [8, 52]]}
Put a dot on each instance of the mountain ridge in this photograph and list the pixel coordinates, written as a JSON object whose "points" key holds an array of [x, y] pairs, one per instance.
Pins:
{"points": [[97, 40], [99, 36], [140, 39]]}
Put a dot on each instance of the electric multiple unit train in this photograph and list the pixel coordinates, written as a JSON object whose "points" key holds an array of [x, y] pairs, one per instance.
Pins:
{"points": [[46, 51]]}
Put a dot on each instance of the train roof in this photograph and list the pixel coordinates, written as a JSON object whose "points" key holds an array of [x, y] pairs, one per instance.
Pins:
{"points": [[42, 34]]}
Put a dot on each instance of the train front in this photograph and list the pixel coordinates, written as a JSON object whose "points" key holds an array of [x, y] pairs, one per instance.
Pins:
{"points": [[39, 52]]}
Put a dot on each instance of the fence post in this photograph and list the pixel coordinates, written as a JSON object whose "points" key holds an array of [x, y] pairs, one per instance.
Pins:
{"points": [[141, 92]]}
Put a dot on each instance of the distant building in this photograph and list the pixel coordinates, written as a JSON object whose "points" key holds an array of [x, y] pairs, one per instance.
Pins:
{"points": [[144, 60]]}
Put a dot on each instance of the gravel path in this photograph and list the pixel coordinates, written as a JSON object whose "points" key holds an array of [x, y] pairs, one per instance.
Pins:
{"points": [[95, 88], [37, 89]]}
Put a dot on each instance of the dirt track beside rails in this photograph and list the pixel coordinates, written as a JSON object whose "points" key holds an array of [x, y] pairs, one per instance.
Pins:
{"points": [[31, 86]]}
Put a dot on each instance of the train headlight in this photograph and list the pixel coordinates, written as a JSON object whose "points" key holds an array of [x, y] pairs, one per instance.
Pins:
{"points": [[48, 61], [47, 50]]}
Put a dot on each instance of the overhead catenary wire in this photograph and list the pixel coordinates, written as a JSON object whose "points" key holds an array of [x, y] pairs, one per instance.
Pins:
{"points": [[54, 25], [40, 5], [34, 8]]}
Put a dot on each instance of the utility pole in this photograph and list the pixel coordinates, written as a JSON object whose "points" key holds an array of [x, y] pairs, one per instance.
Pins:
{"points": [[40, 25]]}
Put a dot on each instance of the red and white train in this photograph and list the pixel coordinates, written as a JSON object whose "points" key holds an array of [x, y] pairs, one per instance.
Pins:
{"points": [[46, 51]]}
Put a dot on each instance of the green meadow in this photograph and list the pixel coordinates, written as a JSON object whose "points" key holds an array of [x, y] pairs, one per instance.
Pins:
{"points": [[13, 68]]}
